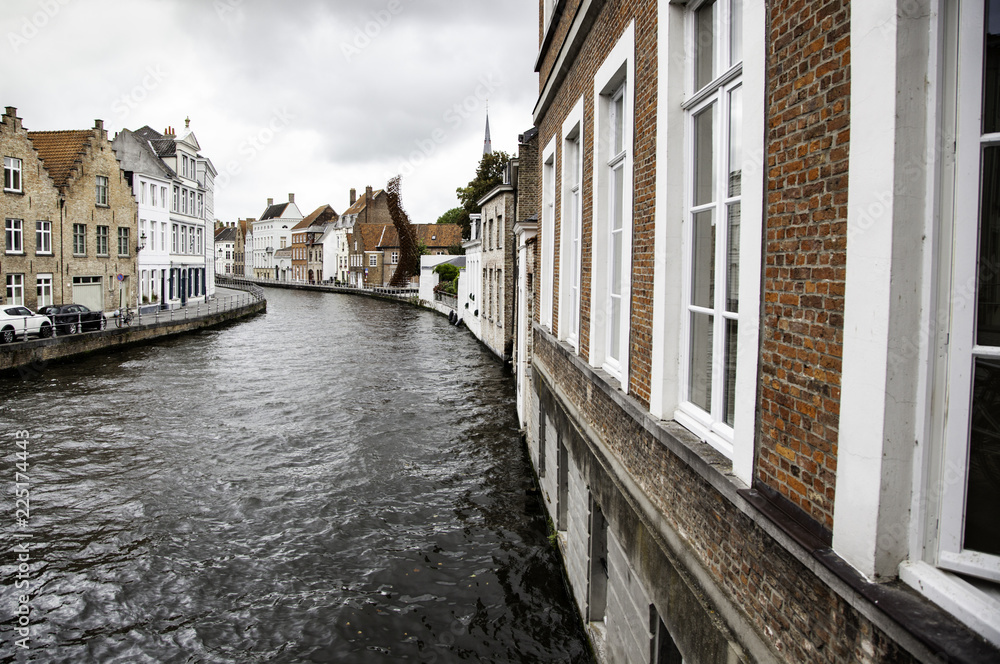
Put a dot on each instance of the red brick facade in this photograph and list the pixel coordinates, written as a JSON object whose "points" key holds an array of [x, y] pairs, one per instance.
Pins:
{"points": [[805, 251]]}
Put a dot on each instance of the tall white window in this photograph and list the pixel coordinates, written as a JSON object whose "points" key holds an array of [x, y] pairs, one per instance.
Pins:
{"points": [[611, 308], [44, 290], [152, 195], [43, 237], [12, 174], [572, 230], [713, 124], [14, 236], [970, 531], [15, 289], [547, 282]]}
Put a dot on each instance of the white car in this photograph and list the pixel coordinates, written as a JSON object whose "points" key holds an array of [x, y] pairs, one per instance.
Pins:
{"points": [[14, 320]]}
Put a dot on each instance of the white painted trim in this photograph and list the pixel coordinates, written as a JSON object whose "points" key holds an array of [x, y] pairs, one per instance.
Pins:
{"points": [[971, 606], [572, 123], [618, 65], [548, 233], [664, 393], [860, 533], [751, 234]]}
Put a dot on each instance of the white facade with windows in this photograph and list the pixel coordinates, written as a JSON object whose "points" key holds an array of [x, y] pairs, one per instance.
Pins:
{"points": [[271, 233]]}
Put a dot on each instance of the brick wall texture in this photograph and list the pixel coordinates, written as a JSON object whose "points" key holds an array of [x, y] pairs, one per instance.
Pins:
{"points": [[579, 82], [797, 612], [807, 145]]}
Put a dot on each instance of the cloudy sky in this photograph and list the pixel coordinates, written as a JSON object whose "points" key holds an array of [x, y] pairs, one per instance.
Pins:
{"points": [[309, 97]]}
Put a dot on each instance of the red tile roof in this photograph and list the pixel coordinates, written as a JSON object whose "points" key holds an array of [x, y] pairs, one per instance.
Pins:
{"points": [[60, 151], [359, 204]]}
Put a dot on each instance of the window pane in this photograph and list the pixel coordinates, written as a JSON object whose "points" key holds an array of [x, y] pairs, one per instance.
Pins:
{"points": [[703, 263], [729, 389], [988, 319], [700, 379], [733, 262], [704, 48], [616, 263], [734, 186], [991, 78], [615, 336], [619, 119], [982, 527], [736, 32], [619, 198], [704, 166]]}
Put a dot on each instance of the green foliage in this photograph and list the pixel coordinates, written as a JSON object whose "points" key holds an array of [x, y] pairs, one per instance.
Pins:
{"points": [[456, 250], [489, 174], [422, 249], [454, 216], [447, 271]]}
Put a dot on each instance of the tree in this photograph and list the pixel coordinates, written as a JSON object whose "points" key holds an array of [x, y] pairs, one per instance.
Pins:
{"points": [[454, 216], [489, 174]]}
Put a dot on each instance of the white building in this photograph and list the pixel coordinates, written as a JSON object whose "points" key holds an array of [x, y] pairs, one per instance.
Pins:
{"points": [[470, 279], [225, 251], [174, 187], [271, 233]]}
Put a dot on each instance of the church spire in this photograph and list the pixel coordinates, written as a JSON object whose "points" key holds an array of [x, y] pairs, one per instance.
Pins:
{"points": [[487, 145]]}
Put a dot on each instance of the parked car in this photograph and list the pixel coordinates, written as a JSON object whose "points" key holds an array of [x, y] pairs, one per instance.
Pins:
{"points": [[15, 319], [73, 318]]}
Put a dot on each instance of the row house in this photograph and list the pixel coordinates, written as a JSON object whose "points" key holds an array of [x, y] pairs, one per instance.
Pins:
{"points": [[761, 314], [225, 250], [246, 227], [497, 264], [308, 244], [271, 233], [371, 210], [173, 184], [69, 219]]}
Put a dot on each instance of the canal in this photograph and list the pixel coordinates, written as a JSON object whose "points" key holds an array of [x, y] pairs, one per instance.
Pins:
{"points": [[339, 480]]}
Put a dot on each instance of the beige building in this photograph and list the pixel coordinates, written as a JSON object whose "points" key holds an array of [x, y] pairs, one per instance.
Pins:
{"points": [[69, 219]]}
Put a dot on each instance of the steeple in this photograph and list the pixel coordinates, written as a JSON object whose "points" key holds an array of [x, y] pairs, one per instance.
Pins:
{"points": [[487, 145]]}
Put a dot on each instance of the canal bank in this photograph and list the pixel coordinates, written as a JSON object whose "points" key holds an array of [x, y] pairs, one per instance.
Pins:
{"points": [[29, 357], [335, 481]]}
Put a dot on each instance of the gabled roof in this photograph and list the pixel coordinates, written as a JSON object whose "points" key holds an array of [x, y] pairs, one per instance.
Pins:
{"points": [[274, 212], [321, 216], [60, 151], [372, 234], [226, 234], [141, 158], [164, 146], [359, 204]]}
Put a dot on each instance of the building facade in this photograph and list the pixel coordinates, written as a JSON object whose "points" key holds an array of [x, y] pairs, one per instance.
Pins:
{"points": [[271, 233], [225, 250], [70, 221], [763, 360], [497, 212]]}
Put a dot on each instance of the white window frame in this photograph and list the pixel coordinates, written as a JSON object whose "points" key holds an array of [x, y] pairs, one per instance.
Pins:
{"points": [[102, 233], [14, 236], [962, 349], [15, 289], [123, 241], [43, 237], [79, 239], [547, 282], [713, 97], [13, 169], [43, 286], [101, 190], [372, 260], [571, 235], [615, 76]]}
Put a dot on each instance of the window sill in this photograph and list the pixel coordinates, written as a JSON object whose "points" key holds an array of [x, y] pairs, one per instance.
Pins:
{"points": [[951, 592], [44, 253], [14, 253], [17, 192], [104, 205], [79, 255]]}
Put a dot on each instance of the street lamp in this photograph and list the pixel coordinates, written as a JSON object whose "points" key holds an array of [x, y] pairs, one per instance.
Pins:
{"points": [[142, 243]]}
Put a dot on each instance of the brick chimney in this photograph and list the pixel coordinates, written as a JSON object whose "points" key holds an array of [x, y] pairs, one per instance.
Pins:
{"points": [[291, 198], [270, 202], [12, 114], [354, 195]]}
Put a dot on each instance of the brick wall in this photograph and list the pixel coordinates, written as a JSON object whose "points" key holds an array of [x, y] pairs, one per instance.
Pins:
{"points": [[38, 202], [792, 609], [605, 33], [807, 144], [120, 212]]}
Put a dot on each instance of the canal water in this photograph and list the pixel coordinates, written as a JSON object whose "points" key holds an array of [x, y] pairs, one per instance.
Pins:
{"points": [[339, 480]]}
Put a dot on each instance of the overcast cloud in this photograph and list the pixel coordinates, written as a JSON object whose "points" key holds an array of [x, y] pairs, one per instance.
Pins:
{"points": [[309, 97]]}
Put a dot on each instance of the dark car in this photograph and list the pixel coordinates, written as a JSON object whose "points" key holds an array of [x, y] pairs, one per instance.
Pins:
{"points": [[73, 318]]}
